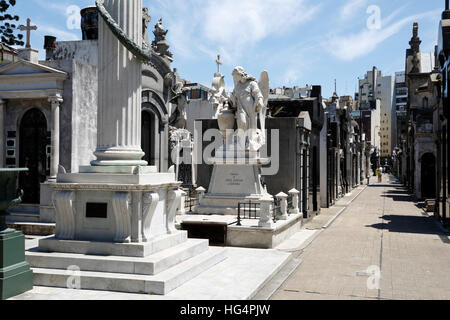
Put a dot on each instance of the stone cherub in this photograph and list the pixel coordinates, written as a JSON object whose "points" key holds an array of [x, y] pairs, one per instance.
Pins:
{"points": [[250, 99]]}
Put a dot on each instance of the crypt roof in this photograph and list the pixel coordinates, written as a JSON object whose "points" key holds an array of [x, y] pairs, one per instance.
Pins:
{"points": [[27, 80], [23, 67], [5, 47]]}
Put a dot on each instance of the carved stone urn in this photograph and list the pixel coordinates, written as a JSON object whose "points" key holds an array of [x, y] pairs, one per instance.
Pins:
{"points": [[16, 276], [226, 120]]}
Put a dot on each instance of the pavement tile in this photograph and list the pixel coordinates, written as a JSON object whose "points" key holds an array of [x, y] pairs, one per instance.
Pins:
{"points": [[377, 229]]}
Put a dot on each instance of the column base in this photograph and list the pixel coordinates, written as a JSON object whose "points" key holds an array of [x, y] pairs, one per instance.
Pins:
{"points": [[119, 163], [16, 276], [118, 156]]}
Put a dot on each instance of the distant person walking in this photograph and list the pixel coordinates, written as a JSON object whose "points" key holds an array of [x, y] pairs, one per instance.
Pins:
{"points": [[380, 174]]}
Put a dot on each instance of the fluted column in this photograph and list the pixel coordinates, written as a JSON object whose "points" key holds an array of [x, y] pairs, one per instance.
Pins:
{"points": [[119, 88], [54, 160]]}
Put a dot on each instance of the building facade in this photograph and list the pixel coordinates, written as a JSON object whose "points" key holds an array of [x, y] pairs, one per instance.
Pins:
{"points": [[441, 118], [375, 86]]}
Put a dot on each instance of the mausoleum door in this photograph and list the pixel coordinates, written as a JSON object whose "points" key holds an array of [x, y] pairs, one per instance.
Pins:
{"points": [[428, 176], [33, 154], [148, 136]]}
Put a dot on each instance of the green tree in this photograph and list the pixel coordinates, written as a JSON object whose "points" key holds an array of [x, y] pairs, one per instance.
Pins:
{"points": [[8, 28]]}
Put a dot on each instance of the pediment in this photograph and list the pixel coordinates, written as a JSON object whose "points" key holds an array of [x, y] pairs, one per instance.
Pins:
{"points": [[23, 68]]}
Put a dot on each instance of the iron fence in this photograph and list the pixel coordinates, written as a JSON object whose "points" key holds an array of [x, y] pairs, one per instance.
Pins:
{"points": [[192, 200], [276, 209], [250, 210], [247, 210], [290, 203]]}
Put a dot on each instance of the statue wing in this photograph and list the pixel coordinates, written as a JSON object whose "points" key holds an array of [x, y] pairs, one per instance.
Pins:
{"points": [[264, 86]]}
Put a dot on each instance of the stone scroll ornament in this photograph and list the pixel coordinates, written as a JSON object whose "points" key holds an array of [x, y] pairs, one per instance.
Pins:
{"points": [[65, 220], [150, 200], [173, 204], [136, 50], [121, 208]]}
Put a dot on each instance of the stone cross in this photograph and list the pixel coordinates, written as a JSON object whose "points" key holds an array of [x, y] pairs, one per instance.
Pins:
{"points": [[28, 28], [219, 63]]}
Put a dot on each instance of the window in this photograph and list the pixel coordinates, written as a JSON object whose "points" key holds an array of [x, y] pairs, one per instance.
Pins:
{"points": [[196, 94]]}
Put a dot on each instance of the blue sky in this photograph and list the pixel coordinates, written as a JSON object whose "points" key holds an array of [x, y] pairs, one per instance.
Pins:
{"points": [[298, 42]]}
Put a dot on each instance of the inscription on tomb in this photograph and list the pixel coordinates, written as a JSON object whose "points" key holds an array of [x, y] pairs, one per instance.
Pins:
{"points": [[234, 180]]}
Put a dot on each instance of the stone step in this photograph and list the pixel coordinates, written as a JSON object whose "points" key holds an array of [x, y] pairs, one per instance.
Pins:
{"points": [[160, 243], [150, 265], [160, 284]]}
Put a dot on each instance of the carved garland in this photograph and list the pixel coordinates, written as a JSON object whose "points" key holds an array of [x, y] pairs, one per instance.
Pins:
{"points": [[128, 43], [145, 55]]}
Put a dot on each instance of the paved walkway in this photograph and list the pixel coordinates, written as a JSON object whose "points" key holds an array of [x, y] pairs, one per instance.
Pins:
{"points": [[383, 229]]}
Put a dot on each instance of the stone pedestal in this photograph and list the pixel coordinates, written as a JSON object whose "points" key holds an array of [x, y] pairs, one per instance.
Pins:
{"points": [[29, 54], [16, 276], [234, 180]]}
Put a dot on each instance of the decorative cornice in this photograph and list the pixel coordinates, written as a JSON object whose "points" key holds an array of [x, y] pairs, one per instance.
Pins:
{"points": [[112, 187]]}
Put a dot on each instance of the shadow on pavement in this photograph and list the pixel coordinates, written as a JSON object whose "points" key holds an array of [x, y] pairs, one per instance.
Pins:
{"points": [[411, 224], [404, 198]]}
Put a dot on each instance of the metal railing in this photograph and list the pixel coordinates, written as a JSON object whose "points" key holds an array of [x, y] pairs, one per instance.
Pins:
{"points": [[247, 210], [276, 210], [192, 200]]}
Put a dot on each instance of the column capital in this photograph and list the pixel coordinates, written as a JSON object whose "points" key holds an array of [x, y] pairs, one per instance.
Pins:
{"points": [[57, 99]]}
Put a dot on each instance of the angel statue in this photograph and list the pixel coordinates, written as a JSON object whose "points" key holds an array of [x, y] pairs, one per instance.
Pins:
{"points": [[250, 99]]}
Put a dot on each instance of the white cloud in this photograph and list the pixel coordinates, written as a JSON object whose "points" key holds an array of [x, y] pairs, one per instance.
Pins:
{"points": [[350, 47], [230, 27], [60, 34], [351, 7]]}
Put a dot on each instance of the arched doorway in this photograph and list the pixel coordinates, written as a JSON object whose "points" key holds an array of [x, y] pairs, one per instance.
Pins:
{"points": [[428, 176], [33, 154], [148, 136]]}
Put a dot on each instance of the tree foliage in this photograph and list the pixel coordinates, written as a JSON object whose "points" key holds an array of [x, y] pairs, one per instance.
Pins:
{"points": [[8, 27]]}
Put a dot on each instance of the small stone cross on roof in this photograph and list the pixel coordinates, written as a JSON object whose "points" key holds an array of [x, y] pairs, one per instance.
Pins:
{"points": [[219, 63], [28, 28]]}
